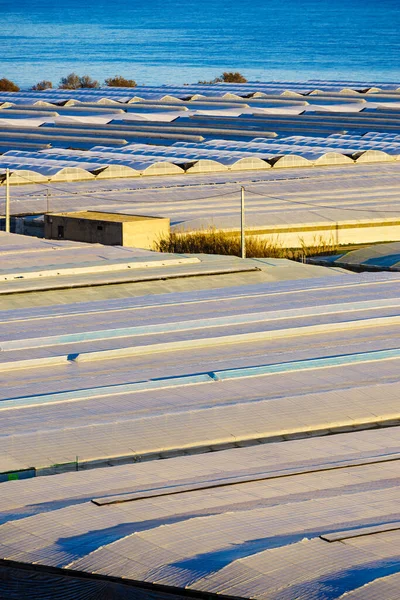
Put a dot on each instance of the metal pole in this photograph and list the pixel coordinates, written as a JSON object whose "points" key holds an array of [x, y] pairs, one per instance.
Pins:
{"points": [[242, 226], [8, 200], [48, 200]]}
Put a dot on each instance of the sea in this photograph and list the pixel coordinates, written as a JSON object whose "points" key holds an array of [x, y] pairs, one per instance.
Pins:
{"points": [[159, 42]]}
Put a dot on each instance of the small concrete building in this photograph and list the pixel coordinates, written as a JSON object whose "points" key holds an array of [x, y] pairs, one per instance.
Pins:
{"points": [[110, 229]]}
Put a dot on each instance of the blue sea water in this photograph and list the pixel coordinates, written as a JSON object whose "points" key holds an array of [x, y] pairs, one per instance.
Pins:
{"points": [[168, 41]]}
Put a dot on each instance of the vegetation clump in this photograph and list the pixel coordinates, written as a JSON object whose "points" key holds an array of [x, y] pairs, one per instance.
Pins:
{"points": [[42, 85], [119, 81], [227, 77], [214, 241], [76, 82], [8, 86]]}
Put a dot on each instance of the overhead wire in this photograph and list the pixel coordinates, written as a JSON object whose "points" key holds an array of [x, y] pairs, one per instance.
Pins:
{"points": [[211, 197], [318, 206], [51, 186], [97, 197]]}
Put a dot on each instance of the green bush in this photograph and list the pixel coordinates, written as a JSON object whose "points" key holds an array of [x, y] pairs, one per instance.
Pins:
{"points": [[8, 86], [119, 81]]}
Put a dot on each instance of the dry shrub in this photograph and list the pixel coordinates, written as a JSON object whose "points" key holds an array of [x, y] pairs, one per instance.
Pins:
{"points": [[8, 86], [215, 241], [42, 85], [119, 81], [227, 77], [76, 82]]}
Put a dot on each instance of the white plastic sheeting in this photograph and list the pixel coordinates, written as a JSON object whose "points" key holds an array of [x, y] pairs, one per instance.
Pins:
{"points": [[186, 373], [258, 539], [150, 381], [380, 256], [217, 155], [273, 198]]}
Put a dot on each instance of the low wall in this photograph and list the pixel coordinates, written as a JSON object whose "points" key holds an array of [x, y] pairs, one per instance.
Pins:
{"points": [[340, 233]]}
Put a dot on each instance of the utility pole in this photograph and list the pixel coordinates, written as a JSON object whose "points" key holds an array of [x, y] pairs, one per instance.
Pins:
{"points": [[242, 226], [8, 200], [48, 199]]}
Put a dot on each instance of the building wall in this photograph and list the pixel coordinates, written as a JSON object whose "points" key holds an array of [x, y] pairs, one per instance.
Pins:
{"points": [[145, 233], [83, 230]]}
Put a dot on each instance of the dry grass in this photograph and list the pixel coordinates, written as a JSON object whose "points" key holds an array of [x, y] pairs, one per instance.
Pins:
{"points": [[214, 241]]}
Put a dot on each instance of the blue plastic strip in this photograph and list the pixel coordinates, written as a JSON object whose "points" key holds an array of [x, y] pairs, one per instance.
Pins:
{"points": [[169, 327], [194, 379], [313, 363]]}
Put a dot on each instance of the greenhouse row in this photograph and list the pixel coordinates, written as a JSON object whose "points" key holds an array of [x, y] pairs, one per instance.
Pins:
{"points": [[67, 135], [134, 160]]}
